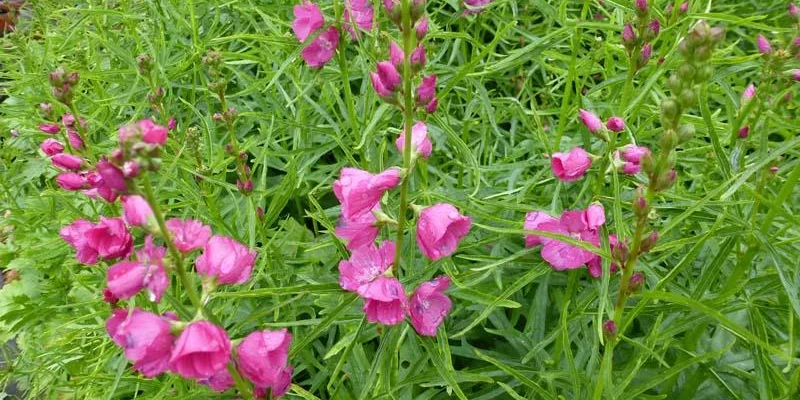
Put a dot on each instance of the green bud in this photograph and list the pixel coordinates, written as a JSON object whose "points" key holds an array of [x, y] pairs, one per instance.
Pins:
{"points": [[702, 53], [670, 109], [704, 73], [668, 140], [686, 71], [688, 97], [647, 163], [675, 83], [685, 133]]}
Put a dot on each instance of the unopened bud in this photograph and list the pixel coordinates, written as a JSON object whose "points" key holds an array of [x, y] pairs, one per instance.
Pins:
{"points": [[744, 132], [704, 73], [649, 242], [641, 6], [636, 282], [686, 71], [668, 140], [145, 63], [640, 206], [610, 330], [130, 169], [669, 109], [46, 109], [684, 7], [421, 29], [260, 212], [685, 133], [620, 253], [688, 97]]}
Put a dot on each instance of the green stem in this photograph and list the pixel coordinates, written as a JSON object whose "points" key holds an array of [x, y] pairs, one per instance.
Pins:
{"points": [[176, 255], [408, 120]]}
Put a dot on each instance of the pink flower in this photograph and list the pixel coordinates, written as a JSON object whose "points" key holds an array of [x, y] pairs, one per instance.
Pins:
{"points": [[49, 128], [71, 181], [202, 351], [67, 162], [172, 124], [145, 337], [386, 80], [51, 147], [654, 27], [75, 235], [385, 301], [418, 57], [360, 12], [110, 238], [75, 139], [420, 142], [359, 191], [219, 382], [475, 6], [748, 93], [794, 11], [152, 133], [396, 55], [533, 220], [744, 132], [226, 260], [596, 264], [684, 7], [421, 30], [764, 47], [796, 75], [307, 20], [647, 51], [571, 166], [69, 121], [580, 225], [439, 229], [628, 35], [321, 50], [189, 234], [112, 176], [280, 388], [632, 156], [430, 108], [136, 210], [426, 91], [429, 306], [365, 266], [359, 231], [591, 121], [262, 356], [615, 124], [127, 278], [641, 5]]}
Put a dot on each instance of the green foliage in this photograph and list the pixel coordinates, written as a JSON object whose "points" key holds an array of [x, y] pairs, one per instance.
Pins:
{"points": [[717, 317]]}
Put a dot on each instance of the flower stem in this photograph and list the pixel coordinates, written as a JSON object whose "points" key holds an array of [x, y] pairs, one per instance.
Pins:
{"points": [[408, 121]]}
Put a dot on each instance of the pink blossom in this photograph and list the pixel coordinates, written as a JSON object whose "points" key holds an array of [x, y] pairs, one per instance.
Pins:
{"points": [[188, 235], [748, 93], [596, 264], [321, 50], [420, 142], [359, 231], [152, 133], [360, 12], [591, 121], [426, 91], [764, 47], [580, 225], [615, 124], [796, 75], [307, 20], [75, 235], [396, 55], [632, 158], [418, 57], [365, 266], [570, 166], [71, 181], [219, 382], [280, 388], [51, 147], [628, 35], [794, 11], [429, 306], [475, 6], [127, 278], [67, 162], [136, 210], [110, 238], [684, 7], [421, 30], [386, 80], [75, 139], [439, 229], [145, 337], [226, 260], [430, 108], [112, 176], [385, 301], [263, 356], [359, 191], [201, 351], [49, 128], [533, 220]]}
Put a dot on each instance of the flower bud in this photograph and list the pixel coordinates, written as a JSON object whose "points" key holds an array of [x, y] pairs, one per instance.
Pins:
{"points": [[386, 80], [610, 330], [669, 109], [685, 133], [636, 282], [684, 7], [686, 72], [145, 63], [396, 55], [704, 73], [654, 27], [426, 91], [649, 242], [641, 6], [418, 58], [172, 124], [644, 57], [688, 97], [748, 93], [620, 253], [130, 169], [46, 109], [794, 11], [628, 36], [668, 140], [764, 47], [615, 124], [796, 75], [422, 28], [744, 132], [58, 76]]}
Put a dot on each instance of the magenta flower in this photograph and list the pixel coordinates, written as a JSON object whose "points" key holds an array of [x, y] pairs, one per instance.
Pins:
{"points": [[794, 11], [219, 382], [75, 139], [51, 147], [579, 224], [359, 191], [152, 133], [426, 91], [110, 238], [188, 235], [49, 128], [654, 27], [632, 156], [68, 120], [748, 93], [641, 5], [145, 337], [71, 181], [647, 51], [440, 228], [136, 211], [226, 260], [359, 231], [386, 80], [202, 351], [764, 47], [591, 121], [421, 30], [75, 235], [263, 357], [796, 75], [420, 142], [429, 306], [385, 301], [112, 176], [127, 278], [418, 58], [615, 124], [684, 7], [172, 124], [396, 54], [744, 132], [307, 20], [280, 388], [533, 220], [430, 108], [596, 264], [365, 266], [571, 166], [321, 50], [360, 12], [67, 162]]}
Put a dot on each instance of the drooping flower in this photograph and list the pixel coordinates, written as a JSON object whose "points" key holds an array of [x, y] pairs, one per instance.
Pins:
{"points": [[136, 211], [188, 235], [591, 121], [764, 47], [263, 356], [112, 176], [307, 20], [359, 191], [358, 14], [145, 337], [385, 301], [219, 382], [365, 266], [359, 231], [429, 305], [386, 79], [533, 220], [51, 147], [322, 49], [71, 181], [201, 351], [440, 228], [67, 162], [226, 260], [420, 142], [569, 167]]}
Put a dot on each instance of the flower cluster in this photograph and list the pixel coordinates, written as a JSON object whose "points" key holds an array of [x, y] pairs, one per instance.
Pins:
{"points": [[309, 21], [638, 37]]}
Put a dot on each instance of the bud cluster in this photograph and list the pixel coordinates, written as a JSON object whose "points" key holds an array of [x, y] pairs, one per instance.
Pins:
{"points": [[637, 37], [62, 84]]}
